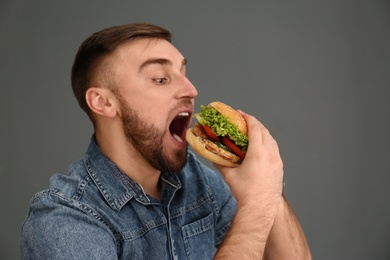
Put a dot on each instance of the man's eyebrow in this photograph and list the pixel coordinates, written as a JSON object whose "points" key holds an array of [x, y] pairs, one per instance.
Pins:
{"points": [[160, 61]]}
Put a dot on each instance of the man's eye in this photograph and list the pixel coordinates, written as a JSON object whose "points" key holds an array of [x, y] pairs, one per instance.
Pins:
{"points": [[160, 81]]}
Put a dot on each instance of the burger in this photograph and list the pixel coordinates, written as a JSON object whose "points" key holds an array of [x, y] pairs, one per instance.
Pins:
{"points": [[220, 134]]}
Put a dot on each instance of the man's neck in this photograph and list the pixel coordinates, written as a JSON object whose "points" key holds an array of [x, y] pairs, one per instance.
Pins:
{"points": [[130, 161]]}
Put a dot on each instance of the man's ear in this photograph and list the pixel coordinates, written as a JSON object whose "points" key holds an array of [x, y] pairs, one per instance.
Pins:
{"points": [[101, 101]]}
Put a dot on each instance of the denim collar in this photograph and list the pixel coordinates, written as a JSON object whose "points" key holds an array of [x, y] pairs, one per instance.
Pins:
{"points": [[114, 185]]}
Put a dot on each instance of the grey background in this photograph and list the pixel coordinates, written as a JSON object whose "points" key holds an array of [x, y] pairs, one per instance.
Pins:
{"points": [[316, 73]]}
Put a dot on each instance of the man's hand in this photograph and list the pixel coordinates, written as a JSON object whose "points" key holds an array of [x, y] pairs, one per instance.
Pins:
{"points": [[257, 185], [260, 176]]}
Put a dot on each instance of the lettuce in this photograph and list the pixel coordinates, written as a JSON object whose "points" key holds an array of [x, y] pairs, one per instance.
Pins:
{"points": [[221, 126]]}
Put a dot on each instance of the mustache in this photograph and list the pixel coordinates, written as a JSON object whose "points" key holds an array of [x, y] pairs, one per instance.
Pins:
{"points": [[186, 102]]}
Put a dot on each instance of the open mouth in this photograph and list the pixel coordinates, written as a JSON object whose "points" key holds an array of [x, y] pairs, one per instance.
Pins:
{"points": [[179, 126]]}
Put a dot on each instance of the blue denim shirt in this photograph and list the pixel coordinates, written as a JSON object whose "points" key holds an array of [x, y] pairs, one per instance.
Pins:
{"points": [[97, 212]]}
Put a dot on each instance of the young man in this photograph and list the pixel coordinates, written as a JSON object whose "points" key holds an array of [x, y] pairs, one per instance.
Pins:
{"points": [[138, 193]]}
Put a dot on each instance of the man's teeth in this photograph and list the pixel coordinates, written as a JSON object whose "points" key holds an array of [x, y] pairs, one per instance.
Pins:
{"points": [[182, 114], [177, 138]]}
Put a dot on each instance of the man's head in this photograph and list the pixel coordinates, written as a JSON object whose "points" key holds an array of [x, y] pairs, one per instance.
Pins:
{"points": [[89, 64], [131, 81]]}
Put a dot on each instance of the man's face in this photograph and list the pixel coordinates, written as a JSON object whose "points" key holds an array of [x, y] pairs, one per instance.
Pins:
{"points": [[156, 101]]}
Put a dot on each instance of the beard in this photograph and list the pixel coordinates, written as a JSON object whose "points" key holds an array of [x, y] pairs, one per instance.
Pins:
{"points": [[147, 139]]}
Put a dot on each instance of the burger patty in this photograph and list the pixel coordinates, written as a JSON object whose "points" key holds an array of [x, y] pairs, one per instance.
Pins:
{"points": [[213, 147]]}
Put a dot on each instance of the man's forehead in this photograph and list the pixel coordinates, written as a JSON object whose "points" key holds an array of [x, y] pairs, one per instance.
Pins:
{"points": [[149, 48]]}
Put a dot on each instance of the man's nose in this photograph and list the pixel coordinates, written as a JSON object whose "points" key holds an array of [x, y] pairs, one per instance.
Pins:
{"points": [[187, 89]]}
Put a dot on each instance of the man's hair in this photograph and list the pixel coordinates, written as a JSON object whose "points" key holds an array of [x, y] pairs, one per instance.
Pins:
{"points": [[95, 48]]}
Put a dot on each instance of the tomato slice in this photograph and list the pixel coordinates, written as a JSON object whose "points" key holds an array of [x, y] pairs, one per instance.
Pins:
{"points": [[233, 147], [210, 133]]}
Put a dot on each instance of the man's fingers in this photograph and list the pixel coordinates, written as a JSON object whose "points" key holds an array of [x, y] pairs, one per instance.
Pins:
{"points": [[259, 135], [254, 129]]}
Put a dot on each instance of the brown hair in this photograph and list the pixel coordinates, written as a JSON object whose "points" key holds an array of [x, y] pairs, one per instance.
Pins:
{"points": [[100, 44]]}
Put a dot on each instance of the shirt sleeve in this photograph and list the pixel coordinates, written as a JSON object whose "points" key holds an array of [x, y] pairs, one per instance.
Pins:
{"points": [[56, 230]]}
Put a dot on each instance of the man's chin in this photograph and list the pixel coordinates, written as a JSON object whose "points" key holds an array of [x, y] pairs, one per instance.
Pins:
{"points": [[177, 164]]}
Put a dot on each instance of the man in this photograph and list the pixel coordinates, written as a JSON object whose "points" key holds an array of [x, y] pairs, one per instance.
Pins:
{"points": [[138, 193]]}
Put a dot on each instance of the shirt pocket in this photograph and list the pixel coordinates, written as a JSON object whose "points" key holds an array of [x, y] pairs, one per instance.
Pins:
{"points": [[199, 238]]}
